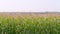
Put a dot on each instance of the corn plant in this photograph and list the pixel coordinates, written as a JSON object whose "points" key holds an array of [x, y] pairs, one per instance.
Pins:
{"points": [[33, 25]]}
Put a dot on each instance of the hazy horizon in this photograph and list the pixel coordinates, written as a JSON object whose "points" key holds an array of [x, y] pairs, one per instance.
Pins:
{"points": [[29, 5]]}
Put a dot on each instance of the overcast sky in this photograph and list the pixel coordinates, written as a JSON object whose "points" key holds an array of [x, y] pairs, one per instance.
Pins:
{"points": [[29, 5]]}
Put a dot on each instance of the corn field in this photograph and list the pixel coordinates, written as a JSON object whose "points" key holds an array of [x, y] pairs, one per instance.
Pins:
{"points": [[38, 25]]}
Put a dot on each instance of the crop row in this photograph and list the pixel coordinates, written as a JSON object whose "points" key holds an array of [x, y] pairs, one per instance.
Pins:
{"points": [[38, 25]]}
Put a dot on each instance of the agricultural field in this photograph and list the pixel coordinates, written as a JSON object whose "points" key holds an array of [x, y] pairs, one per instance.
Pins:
{"points": [[29, 23]]}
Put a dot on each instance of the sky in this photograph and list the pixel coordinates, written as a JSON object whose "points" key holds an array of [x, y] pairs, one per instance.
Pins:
{"points": [[29, 5]]}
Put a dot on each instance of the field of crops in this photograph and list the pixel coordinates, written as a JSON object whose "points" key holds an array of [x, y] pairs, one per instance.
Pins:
{"points": [[37, 25]]}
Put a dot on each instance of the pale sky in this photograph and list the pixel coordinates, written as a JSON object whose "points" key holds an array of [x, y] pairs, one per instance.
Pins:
{"points": [[29, 5]]}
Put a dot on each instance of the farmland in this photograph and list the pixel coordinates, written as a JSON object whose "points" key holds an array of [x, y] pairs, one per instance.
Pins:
{"points": [[29, 23]]}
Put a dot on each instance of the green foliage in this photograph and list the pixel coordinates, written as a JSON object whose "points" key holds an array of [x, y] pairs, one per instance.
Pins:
{"points": [[38, 25]]}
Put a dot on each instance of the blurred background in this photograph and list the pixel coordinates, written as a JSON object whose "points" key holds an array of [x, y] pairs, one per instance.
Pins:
{"points": [[29, 5]]}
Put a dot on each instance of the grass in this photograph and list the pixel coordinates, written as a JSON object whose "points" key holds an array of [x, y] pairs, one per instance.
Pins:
{"points": [[37, 25]]}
